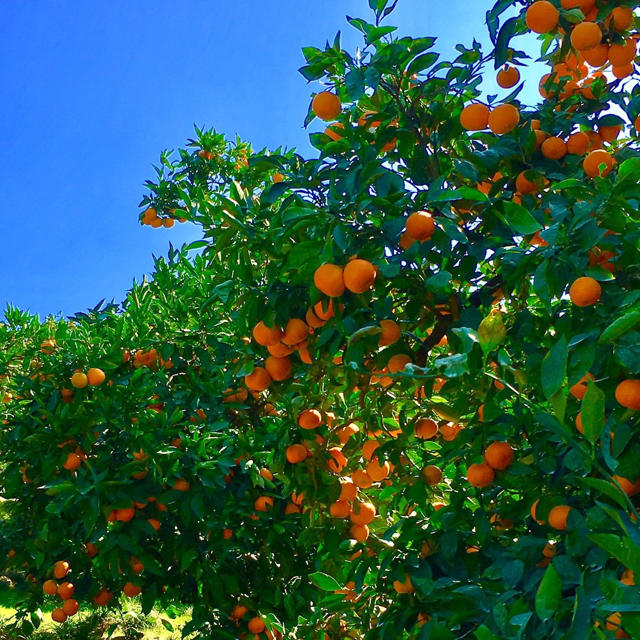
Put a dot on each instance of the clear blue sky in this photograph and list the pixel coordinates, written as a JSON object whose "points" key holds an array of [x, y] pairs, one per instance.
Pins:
{"points": [[93, 91]]}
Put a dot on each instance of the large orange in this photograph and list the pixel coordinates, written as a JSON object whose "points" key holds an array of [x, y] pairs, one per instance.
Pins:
{"points": [[508, 77], [420, 225], [554, 148], [475, 117], [58, 615], [278, 368], [362, 513], [326, 105], [258, 380], [598, 162], [131, 590], [70, 607], [359, 275], [296, 453], [480, 475], [265, 335], [79, 380], [256, 625], [50, 587], [340, 509], [622, 54], [432, 475], [295, 332], [425, 428], [499, 455], [309, 419], [503, 119], [585, 36], [65, 590], [578, 143], [102, 597], [390, 333], [328, 279], [628, 394], [558, 517], [398, 362], [95, 376], [542, 17], [585, 291]]}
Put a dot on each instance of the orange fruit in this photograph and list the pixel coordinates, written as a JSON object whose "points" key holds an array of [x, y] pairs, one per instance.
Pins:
{"points": [[60, 569], [508, 77], [65, 590], [265, 335], [450, 431], [369, 448], [359, 275], [359, 532], [420, 225], [258, 380], [609, 132], [390, 333], [558, 517], [585, 36], [585, 291], [425, 428], [328, 279], [432, 475], [278, 368], [584, 5], [628, 577], [398, 362], [131, 590], [92, 549], [580, 388], [337, 461], [622, 72], [256, 625], [58, 615], [348, 489], [362, 479], [480, 475], [125, 515], [579, 426], [295, 332], [554, 148], [310, 419], [598, 56], [405, 586], [542, 17], [79, 380], [504, 119], [628, 394], [499, 455], [239, 611], [296, 453], [630, 488], [156, 524], [622, 18], [181, 485], [326, 106], [263, 503], [578, 143], [333, 131], [95, 376], [102, 597], [50, 587], [475, 117], [72, 462], [621, 55], [70, 607], [362, 513], [340, 509], [377, 471], [277, 177], [524, 185]]}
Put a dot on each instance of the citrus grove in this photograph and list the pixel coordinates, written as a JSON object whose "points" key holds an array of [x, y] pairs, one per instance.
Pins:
{"points": [[394, 390]]}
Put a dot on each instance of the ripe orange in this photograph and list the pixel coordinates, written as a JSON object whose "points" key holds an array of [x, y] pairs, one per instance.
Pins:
{"points": [[58, 615], [622, 72], [95, 376], [621, 55], [239, 611], [326, 106], [585, 291], [102, 597], [333, 131], [593, 163], [480, 475], [609, 132], [79, 380], [181, 485], [60, 569], [390, 333], [504, 119], [362, 513], [296, 453], [92, 549], [256, 625], [359, 532], [580, 388], [359, 275], [50, 587], [278, 368], [432, 475], [508, 77], [156, 524], [265, 335], [131, 590], [578, 143], [369, 448], [310, 419], [295, 332], [377, 471], [554, 148], [558, 517], [585, 36], [622, 18], [328, 279], [499, 455], [337, 461], [348, 489], [628, 394], [125, 515], [524, 185], [405, 586], [420, 225], [475, 117], [263, 503], [630, 488], [70, 607], [598, 56], [72, 462], [584, 5], [258, 380], [542, 17], [398, 362], [65, 590], [425, 428], [340, 509]]}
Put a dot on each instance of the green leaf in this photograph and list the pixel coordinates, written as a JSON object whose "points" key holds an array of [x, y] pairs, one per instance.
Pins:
{"points": [[620, 326], [519, 219], [593, 412], [622, 549], [554, 367], [548, 594], [422, 62], [324, 581], [605, 487]]}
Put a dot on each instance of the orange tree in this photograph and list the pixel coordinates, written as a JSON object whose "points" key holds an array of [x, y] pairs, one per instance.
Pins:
{"points": [[393, 390]]}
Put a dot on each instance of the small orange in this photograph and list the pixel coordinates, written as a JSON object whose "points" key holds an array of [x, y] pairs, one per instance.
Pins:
{"points": [[50, 587], [296, 453], [432, 475], [95, 376], [263, 503], [475, 117], [340, 509], [585, 291], [628, 394], [102, 597], [425, 428], [359, 532], [70, 607], [265, 335], [480, 475], [72, 462], [278, 368], [390, 333], [593, 163], [579, 389], [508, 77], [256, 625], [359, 275], [558, 517], [578, 143], [310, 419], [295, 332], [398, 362], [131, 590], [65, 590], [79, 380], [58, 615], [499, 455], [621, 55], [554, 148], [328, 279]]}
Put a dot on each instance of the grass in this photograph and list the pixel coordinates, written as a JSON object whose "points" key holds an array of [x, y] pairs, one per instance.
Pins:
{"points": [[128, 624]]}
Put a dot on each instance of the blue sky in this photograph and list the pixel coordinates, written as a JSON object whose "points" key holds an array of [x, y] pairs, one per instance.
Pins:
{"points": [[95, 90]]}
